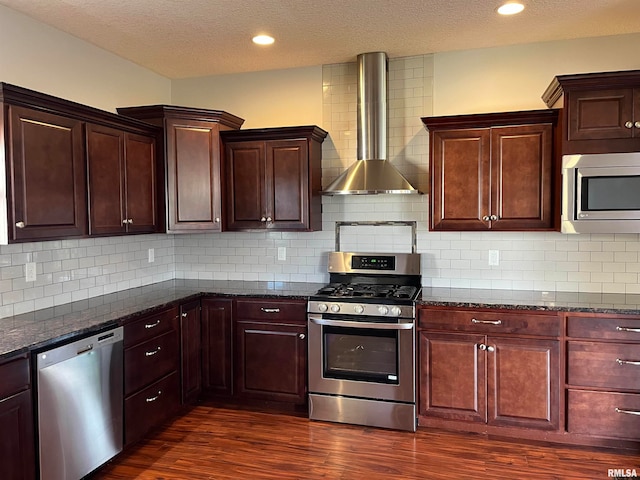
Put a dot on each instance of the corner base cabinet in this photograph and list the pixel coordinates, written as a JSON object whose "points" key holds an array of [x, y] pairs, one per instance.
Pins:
{"points": [[273, 179], [217, 348]]}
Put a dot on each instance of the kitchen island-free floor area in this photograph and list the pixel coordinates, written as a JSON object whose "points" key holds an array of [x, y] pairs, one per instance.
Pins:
{"points": [[210, 442]]}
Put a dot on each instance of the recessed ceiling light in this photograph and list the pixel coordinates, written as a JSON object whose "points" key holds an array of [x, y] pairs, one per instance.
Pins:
{"points": [[510, 8], [263, 40]]}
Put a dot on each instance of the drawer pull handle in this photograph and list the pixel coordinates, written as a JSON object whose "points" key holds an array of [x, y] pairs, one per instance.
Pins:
{"points": [[152, 325], [628, 329], [153, 399], [627, 362], [152, 353], [487, 322], [628, 412], [270, 310]]}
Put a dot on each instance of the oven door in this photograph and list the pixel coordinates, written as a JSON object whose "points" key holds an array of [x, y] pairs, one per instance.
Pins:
{"points": [[360, 358]]}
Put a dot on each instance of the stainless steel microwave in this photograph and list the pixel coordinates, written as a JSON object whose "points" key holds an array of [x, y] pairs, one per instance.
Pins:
{"points": [[601, 193]]}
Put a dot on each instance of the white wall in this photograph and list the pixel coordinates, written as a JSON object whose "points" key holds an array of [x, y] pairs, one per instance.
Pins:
{"points": [[514, 78], [275, 98], [36, 56]]}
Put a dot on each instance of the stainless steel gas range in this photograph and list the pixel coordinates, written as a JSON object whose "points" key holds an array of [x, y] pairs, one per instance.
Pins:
{"points": [[362, 341]]}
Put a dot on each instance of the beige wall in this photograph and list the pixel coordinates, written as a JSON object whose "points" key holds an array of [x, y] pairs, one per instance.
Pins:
{"points": [[274, 98], [42, 58], [514, 78]]}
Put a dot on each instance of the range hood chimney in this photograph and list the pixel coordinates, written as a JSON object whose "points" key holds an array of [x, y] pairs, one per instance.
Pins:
{"points": [[371, 173]]}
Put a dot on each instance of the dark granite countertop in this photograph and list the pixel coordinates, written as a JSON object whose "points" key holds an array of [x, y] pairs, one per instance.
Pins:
{"points": [[531, 300], [43, 328]]}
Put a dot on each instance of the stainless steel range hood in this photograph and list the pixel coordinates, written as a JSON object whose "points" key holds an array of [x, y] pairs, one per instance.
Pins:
{"points": [[371, 173]]}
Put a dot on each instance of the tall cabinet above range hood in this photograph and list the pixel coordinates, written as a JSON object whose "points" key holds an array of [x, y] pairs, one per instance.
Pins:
{"points": [[371, 173]]}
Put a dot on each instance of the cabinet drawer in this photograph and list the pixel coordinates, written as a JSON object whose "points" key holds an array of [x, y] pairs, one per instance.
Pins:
{"points": [[614, 415], [607, 327], [150, 360], [150, 326], [14, 375], [609, 365], [272, 310], [151, 406], [498, 321]]}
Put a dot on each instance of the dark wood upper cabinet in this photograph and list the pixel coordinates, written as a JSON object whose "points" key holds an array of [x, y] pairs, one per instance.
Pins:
{"points": [[46, 175], [273, 179], [494, 171], [122, 181], [602, 111], [67, 163], [191, 163]]}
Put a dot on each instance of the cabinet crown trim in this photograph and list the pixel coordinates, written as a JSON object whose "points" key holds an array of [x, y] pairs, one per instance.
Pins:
{"points": [[152, 112], [488, 120]]}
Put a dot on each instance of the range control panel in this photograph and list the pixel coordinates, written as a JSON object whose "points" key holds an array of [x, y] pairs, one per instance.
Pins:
{"points": [[376, 262]]}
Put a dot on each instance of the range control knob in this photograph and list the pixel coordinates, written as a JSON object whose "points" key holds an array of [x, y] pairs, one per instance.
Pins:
{"points": [[383, 309], [358, 309], [322, 307], [335, 308], [396, 311]]}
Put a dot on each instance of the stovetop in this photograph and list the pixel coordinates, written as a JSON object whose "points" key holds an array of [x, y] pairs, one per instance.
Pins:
{"points": [[344, 291]]}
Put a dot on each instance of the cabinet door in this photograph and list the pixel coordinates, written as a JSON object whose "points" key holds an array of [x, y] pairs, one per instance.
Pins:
{"points": [[271, 361], [599, 114], [216, 346], [287, 184], [523, 382], [140, 183], [105, 163], [452, 381], [193, 175], [245, 195], [190, 352], [460, 179], [17, 443], [48, 198], [521, 168]]}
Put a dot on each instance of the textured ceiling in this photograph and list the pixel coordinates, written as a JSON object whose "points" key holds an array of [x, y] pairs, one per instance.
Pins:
{"points": [[191, 38]]}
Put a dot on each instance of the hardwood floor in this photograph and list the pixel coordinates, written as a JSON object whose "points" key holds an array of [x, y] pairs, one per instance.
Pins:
{"points": [[210, 442]]}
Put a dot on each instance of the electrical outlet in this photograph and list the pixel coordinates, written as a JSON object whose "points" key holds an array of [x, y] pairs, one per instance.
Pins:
{"points": [[30, 271], [152, 255], [282, 253], [494, 257]]}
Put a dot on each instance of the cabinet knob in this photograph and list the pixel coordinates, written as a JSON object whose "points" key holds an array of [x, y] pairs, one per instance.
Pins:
{"points": [[263, 219], [130, 221], [491, 349], [20, 224], [269, 219], [302, 336], [628, 124], [637, 124], [482, 346], [125, 221], [184, 314], [485, 218], [217, 219], [493, 218]]}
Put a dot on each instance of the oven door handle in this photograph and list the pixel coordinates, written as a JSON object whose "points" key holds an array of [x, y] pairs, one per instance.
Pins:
{"points": [[372, 325]]}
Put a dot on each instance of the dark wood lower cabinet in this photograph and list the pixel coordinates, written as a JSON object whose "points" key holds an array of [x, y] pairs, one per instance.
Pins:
{"points": [[513, 382], [17, 440], [271, 361], [217, 357], [190, 355]]}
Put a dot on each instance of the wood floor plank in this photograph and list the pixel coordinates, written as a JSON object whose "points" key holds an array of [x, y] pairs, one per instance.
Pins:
{"points": [[209, 442]]}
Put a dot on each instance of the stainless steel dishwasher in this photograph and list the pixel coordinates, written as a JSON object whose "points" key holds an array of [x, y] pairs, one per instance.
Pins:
{"points": [[80, 402]]}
